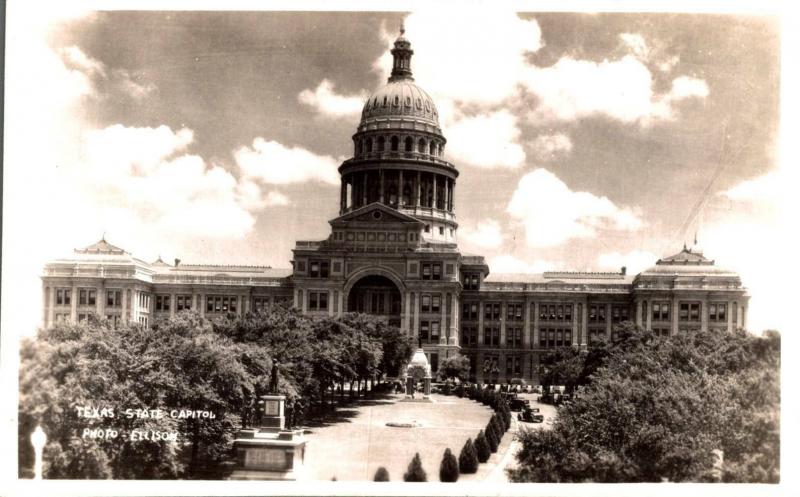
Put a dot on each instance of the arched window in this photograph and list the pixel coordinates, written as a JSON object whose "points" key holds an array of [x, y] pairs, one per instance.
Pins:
{"points": [[395, 143], [381, 144], [369, 145], [409, 144], [421, 146], [433, 148]]}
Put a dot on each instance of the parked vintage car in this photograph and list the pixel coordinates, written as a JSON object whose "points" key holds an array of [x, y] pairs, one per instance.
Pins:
{"points": [[530, 415], [518, 404]]}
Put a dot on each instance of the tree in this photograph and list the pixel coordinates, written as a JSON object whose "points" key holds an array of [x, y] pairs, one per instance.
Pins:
{"points": [[492, 437], [415, 471], [448, 469], [468, 458], [455, 366], [381, 474], [659, 408], [482, 448]]}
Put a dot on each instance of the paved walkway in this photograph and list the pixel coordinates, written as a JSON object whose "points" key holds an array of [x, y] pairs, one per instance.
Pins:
{"points": [[356, 441]]}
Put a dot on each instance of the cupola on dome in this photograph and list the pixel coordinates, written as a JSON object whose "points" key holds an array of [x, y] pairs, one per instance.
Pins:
{"points": [[400, 97]]}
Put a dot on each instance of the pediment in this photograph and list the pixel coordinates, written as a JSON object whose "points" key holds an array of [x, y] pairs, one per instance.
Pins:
{"points": [[375, 213]]}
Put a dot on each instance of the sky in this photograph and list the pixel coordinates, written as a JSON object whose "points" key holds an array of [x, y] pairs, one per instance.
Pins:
{"points": [[583, 141]]}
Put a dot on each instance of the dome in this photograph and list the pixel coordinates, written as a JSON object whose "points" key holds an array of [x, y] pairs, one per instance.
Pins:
{"points": [[400, 98]]}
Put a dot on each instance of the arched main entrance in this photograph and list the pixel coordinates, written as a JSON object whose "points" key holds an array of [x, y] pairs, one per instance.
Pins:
{"points": [[376, 295]]}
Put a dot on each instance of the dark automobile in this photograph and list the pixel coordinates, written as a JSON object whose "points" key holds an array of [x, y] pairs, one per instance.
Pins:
{"points": [[530, 415], [518, 404]]}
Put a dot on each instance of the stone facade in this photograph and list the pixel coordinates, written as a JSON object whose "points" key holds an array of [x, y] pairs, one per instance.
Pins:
{"points": [[393, 252]]}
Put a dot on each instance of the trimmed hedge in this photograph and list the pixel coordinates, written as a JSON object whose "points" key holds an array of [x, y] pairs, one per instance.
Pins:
{"points": [[448, 469]]}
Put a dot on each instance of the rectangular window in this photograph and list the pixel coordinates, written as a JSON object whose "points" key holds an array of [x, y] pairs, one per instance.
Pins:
{"points": [[436, 303], [63, 296], [113, 298], [435, 331], [597, 314], [717, 312], [426, 303], [162, 302], [317, 301], [514, 312], [514, 337], [319, 269], [690, 311], [424, 330], [221, 303], [469, 310], [471, 281], [661, 311], [183, 302], [491, 336], [568, 312]]}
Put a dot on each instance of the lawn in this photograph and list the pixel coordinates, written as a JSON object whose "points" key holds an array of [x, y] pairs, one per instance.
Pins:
{"points": [[354, 444]]}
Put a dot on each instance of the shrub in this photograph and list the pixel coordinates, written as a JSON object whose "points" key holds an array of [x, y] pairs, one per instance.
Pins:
{"points": [[482, 447], [492, 437], [448, 470], [468, 459], [415, 471], [381, 475]]}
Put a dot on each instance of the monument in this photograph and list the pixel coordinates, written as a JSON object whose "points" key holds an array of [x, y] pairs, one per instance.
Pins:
{"points": [[418, 369], [270, 451]]}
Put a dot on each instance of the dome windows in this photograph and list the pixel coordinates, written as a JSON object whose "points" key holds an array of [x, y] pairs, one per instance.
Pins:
{"points": [[419, 103], [396, 100]]}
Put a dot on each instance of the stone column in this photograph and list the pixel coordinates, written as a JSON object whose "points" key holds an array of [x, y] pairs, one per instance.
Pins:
{"points": [[704, 314], [480, 324], [341, 303], [100, 300], [405, 323], [400, 188], [575, 329], [648, 309], [729, 316], [51, 310], [639, 314], [608, 321], [330, 303], [304, 300], [416, 305], [73, 313], [675, 315], [172, 304], [418, 190], [364, 190], [443, 327], [455, 313], [343, 196], [536, 324], [585, 322], [503, 311], [526, 325], [380, 172], [124, 293], [201, 303], [433, 205]]}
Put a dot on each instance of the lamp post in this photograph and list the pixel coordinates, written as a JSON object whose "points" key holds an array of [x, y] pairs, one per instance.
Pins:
{"points": [[38, 440]]}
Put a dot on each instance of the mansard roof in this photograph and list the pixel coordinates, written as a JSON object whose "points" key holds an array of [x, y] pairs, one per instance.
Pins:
{"points": [[102, 247], [686, 257]]}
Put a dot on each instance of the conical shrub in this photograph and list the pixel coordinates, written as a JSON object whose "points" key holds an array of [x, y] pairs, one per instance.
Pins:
{"points": [[468, 458], [492, 437], [381, 475], [448, 470], [415, 471], [482, 447]]}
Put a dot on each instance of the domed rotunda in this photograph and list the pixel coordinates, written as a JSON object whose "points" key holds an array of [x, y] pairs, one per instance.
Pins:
{"points": [[397, 159]]}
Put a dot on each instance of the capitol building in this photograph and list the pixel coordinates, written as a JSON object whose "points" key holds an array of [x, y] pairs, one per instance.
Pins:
{"points": [[393, 252]]}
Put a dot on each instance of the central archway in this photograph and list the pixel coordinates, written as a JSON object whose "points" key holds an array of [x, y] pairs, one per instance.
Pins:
{"points": [[377, 295]]}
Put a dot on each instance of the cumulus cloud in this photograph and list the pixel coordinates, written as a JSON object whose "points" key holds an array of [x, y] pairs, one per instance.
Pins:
{"points": [[634, 261], [510, 264], [763, 187], [636, 44], [551, 147], [325, 100], [273, 163], [103, 81], [486, 234], [276, 198], [552, 213], [487, 141], [165, 190], [620, 89]]}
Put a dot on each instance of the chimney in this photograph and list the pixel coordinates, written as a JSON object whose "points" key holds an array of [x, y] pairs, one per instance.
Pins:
{"points": [[624, 270], [177, 261]]}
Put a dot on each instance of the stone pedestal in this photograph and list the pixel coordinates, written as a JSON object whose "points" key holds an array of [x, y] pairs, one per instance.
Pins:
{"points": [[419, 369], [269, 452]]}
